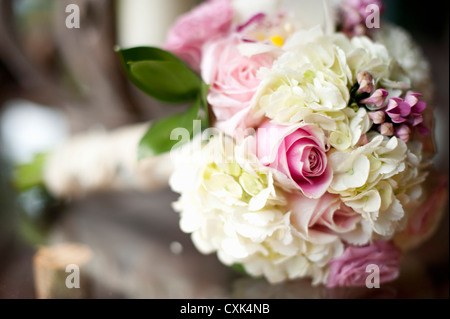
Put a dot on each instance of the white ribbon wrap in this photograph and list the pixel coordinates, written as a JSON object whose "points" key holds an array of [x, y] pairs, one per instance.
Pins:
{"points": [[102, 161]]}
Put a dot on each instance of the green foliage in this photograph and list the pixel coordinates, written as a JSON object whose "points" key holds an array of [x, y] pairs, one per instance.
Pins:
{"points": [[239, 268], [157, 140], [166, 78], [160, 74]]}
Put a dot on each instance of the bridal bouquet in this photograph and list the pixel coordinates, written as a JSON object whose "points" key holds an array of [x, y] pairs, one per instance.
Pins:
{"points": [[308, 138]]}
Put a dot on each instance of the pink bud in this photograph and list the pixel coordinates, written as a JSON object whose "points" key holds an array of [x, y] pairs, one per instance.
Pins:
{"points": [[377, 117], [403, 132], [365, 81], [412, 98], [363, 140], [387, 129], [377, 98]]}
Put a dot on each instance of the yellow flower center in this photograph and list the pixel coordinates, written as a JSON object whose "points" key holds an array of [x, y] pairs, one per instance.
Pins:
{"points": [[277, 40]]}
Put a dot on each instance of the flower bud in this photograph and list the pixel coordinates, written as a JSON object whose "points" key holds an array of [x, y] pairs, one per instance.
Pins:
{"points": [[377, 117], [365, 81], [403, 132], [387, 129], [377, 98]]}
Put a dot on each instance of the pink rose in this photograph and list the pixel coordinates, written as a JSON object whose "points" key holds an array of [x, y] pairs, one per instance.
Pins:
{"points": [[350, 269], [233, 81], [324, 219], [187, 36], [299, 153]]}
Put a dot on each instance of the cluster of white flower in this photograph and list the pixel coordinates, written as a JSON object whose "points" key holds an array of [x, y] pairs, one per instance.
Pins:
{"points": [[232, 206]]}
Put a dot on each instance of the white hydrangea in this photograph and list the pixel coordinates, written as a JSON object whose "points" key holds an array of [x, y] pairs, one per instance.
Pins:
{"points": [[311, 78], [381, 158], [408, 55], [364, 180], [350, 127], [408, 184], [231, 206], [364, 54]]}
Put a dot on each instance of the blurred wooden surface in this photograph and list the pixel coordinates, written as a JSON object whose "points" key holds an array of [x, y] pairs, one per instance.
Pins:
{"points": [[140, 252], [55, 267]]}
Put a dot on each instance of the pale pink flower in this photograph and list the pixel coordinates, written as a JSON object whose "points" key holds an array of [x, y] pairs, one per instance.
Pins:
{"points": [[323, 219], [299, 153], [233, 81], [187, 36], [350, 268]]}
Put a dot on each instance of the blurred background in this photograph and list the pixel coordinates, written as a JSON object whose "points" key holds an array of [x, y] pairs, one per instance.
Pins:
{"points": [[55, 82]]}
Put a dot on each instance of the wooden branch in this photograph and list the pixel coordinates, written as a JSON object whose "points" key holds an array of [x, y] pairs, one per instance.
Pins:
{"points": [[88, 53], [28, 75], [102, 94]]}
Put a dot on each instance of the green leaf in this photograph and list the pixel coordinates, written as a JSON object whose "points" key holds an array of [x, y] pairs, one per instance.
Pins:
{"points": [[29, 175], [203, 95], [157, 139], [161, 75], [166, 81], [146, 54], [239, 268]]}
